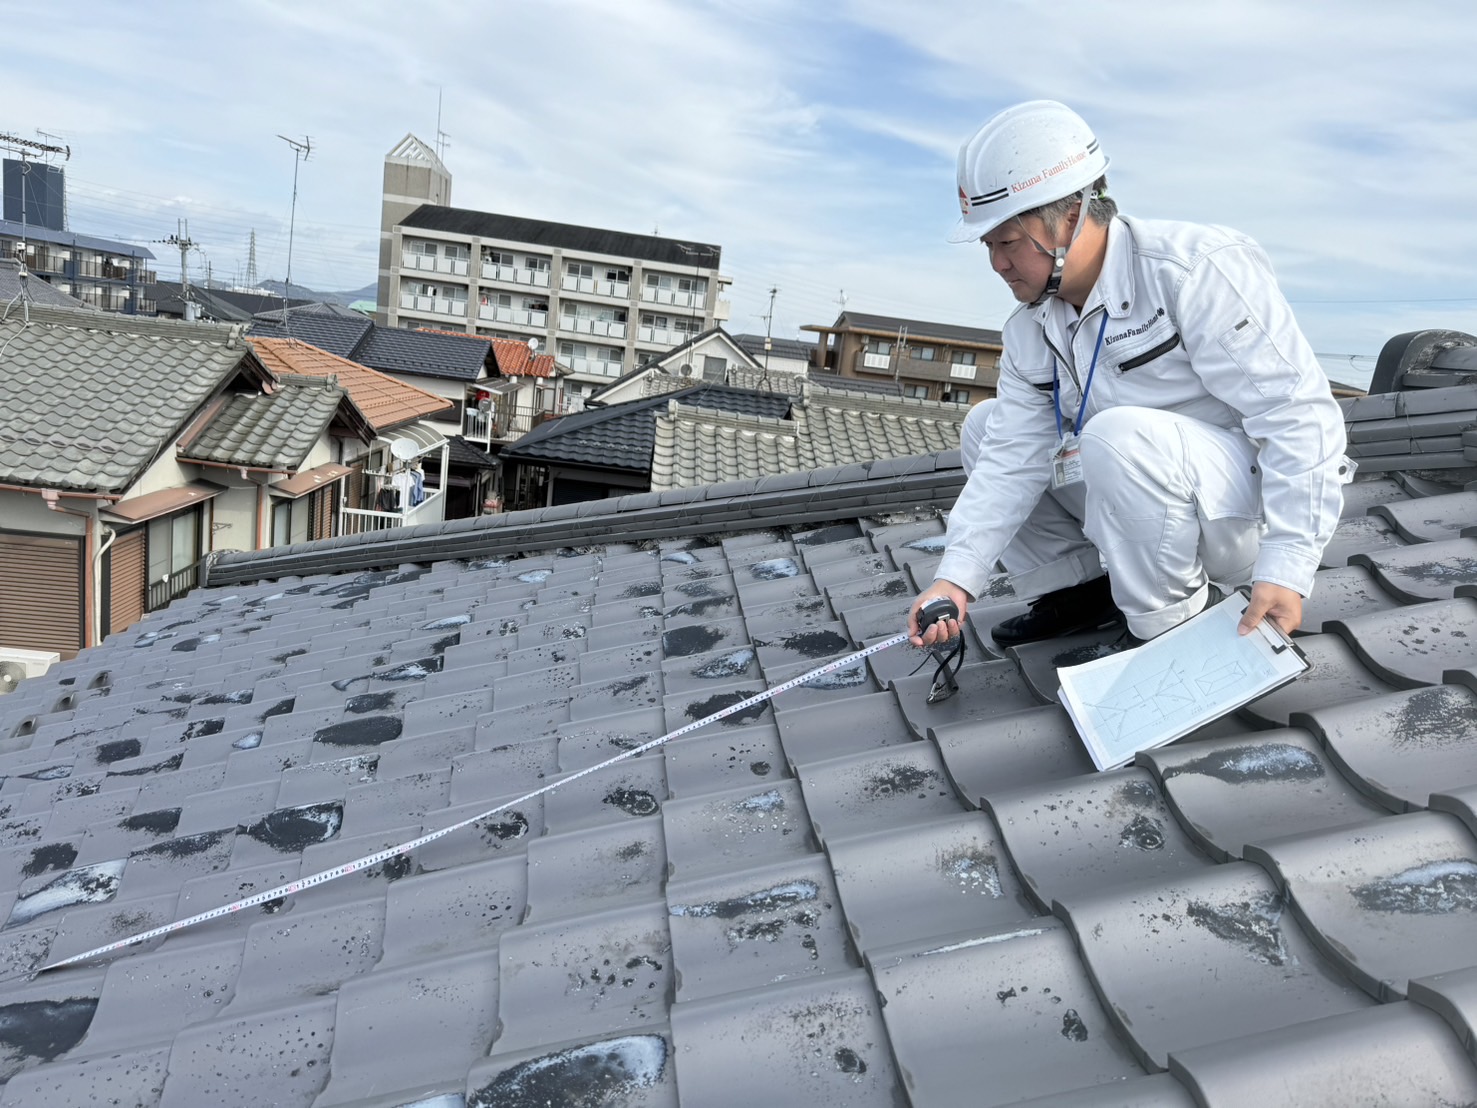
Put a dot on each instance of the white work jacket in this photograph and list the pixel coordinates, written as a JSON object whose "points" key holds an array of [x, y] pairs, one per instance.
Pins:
{"points": [[1196, 325]]}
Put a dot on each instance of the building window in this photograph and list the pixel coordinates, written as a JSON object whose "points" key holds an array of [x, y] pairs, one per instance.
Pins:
{"points": [[964, 357], [426, 249], [282, 523], [616, 273], [883, 348], [916, 392], [956, 396], [496, 257], [925, 353], [579, 269], [538, 265]]}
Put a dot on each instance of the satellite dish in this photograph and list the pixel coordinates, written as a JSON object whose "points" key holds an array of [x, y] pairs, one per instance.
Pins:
{"points": [[404, 449], [11, 675], [533, 346]]}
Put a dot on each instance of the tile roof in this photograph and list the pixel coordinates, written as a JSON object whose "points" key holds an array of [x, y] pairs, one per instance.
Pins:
{"points": [[845, 896], [564, 236], [621, 436], [269, 431], [335, 334], [465, 453], [385, 402], [88, 399], [40, 292], [514, 359], [222, 305], [802, 349], [697, 446]]}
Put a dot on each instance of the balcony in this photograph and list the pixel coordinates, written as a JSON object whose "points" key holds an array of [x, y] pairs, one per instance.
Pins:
{"points": [[502, 423], [881, 362], [521, 317], [924, 369], [436, 305], [577, 325], [618, 290], [172, 587], [534, 278], [355, 521], [662, 336], [410, 260], [674, 297], [962, 371], [594, 367]]}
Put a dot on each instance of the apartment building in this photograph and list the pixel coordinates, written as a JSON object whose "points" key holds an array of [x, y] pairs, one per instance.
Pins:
{"points": [[928, 361], [602, 302], [103, 274]]}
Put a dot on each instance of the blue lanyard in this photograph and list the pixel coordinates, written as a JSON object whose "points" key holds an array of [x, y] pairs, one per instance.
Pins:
{"points": [[1056, 384]]}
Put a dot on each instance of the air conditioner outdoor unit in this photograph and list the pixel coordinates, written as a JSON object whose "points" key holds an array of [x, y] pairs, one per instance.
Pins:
{"points": [[18, 665]]}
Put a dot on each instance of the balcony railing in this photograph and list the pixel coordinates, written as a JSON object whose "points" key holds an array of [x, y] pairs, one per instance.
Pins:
{"points": [[354, 521], [663, 336], [438, 305], [674, 297], [503, 424], [523, 317], [963, 371], [584, 326], [877, 361], [537, 278], [410, 260], [620, 290], [173, 587], [595, 366]]}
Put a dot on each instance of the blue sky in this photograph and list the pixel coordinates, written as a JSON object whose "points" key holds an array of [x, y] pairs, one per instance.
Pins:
{"points": [[814, 141]]}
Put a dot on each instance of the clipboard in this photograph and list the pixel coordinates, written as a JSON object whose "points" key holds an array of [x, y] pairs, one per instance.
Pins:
{"points": [[1190, 675]]}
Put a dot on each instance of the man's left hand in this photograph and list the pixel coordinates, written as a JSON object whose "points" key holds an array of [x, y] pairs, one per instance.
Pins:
{"points": [[1283, 606]]}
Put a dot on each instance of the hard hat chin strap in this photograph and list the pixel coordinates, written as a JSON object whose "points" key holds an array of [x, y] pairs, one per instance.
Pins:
{"points": [[1059, 253]]}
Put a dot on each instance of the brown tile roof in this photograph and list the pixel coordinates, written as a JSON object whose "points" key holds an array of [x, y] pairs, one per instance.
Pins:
{"points": [[384, 401]]}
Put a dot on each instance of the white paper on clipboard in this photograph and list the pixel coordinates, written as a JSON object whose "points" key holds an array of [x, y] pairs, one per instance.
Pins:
{"points": [[1188, 676]]}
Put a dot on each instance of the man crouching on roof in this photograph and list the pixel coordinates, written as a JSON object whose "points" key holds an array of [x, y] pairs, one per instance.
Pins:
{"points": [[1159, 416]]}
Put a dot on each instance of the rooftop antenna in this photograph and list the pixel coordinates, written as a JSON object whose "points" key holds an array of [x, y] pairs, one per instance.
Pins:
{"points": [[769, 330], [300, 154], [442, 138], [26, 150]]}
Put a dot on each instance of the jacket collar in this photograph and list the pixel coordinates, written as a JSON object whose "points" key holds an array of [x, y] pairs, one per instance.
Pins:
{"points": [[1114, 287]]}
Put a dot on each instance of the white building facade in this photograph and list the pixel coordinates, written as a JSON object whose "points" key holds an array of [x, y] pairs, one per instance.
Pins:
{"points": [[601, 302]]}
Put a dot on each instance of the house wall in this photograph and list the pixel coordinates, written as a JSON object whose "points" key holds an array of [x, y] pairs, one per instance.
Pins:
{"points": [[234, 526]]}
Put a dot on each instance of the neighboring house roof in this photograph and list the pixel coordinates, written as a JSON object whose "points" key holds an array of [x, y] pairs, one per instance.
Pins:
{"points": [[670, 362], [331, 327], [795, 349], [89, 399], [344, 336], [39, 291], [564, 236], [621, 436], [10, 228], [221, 305], [844, 896], [773, 380], [698, 446], [268, 431], [385, 402], [918, 331], [464, 453], [513, 358]]}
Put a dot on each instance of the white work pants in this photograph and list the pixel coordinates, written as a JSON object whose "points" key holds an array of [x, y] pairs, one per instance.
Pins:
{"points": [[1166, 505]]}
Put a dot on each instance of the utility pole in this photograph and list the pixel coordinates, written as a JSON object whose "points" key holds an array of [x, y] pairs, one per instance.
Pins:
{"points": [[182, 240], [300, 154], [768, 331]]}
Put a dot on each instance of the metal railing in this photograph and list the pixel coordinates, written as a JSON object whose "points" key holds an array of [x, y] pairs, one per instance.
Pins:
{"points": [[505, 424], [173, 587], [675, 297], [523, 317], [355, 521], [584, 325]]}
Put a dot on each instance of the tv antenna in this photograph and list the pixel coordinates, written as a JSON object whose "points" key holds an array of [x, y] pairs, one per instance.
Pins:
{"points": [[27, 150], [443, 140], [300, 153]]}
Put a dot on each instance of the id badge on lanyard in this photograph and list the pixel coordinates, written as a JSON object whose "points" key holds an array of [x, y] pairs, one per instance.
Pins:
{"points": [[1066, 460]]}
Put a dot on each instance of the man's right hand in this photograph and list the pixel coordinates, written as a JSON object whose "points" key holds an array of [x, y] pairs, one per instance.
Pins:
{"points": [[944, 630]]}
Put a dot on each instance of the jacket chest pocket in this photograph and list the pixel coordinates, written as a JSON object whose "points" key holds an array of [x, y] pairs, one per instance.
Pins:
{"points": [[1158, 350]]}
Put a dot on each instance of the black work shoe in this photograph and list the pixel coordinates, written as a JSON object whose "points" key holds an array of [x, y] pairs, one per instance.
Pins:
{"points": [[1084, 607]]}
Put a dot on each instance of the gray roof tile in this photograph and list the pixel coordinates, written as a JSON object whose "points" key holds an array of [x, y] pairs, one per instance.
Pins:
{"points": [[273, 432], [593, 870], [156, 374]]}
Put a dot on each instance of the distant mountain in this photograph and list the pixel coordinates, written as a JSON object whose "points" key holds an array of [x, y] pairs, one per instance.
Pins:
{"points": [[368, 292]]}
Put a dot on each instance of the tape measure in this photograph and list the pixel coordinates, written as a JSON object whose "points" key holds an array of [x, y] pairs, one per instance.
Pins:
{"points": [[406, 847]]}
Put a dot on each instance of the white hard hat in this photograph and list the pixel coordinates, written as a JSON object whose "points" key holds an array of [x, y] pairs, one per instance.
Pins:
{"points": [[1026, 156]]}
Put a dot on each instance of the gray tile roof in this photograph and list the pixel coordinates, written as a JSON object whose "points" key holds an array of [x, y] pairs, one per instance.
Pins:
{"points": [[698, 446], [88, 399], [917, 330], [845, 896], [336, 334], [40, 292], [269, 431], [621, 436], [387, 349]]}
